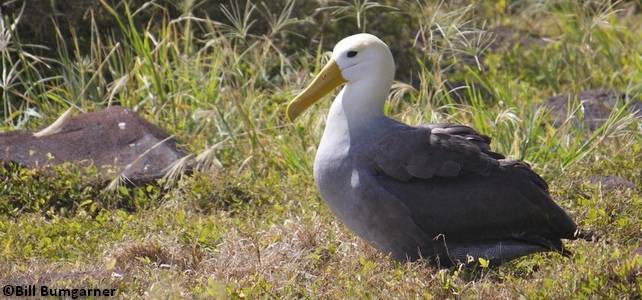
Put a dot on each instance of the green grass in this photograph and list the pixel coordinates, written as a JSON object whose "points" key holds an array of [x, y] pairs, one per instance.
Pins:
{"points": [[254, 226]]}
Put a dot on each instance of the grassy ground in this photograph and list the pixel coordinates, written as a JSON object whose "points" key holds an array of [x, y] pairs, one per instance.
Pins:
{"points": [[253, 225]]}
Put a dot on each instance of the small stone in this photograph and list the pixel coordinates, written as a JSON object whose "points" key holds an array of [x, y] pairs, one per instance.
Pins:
{"points": [[597, 105]]}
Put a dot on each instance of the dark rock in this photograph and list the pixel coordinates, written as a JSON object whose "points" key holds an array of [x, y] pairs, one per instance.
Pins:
{"points": [[110, 139], [459, 90], [507, 37], [597, 105], [612, 182]]}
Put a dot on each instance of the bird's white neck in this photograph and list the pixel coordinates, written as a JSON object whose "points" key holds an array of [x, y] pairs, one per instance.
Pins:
{"points": [[355, 111], [363, 100]]}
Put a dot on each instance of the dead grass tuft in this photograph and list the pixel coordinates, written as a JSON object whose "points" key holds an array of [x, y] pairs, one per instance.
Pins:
{"points": [[157, 255]]}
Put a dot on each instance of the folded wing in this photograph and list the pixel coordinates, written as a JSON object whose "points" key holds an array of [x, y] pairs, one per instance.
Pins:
{"points": [[454, 186], [443, 150]]}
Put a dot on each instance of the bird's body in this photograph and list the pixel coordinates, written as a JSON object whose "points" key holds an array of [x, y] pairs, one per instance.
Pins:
{"points": [[433, 191]]}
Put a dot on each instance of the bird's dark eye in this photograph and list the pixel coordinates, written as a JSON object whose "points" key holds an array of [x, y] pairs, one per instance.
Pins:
{"points": [[351, 54]]}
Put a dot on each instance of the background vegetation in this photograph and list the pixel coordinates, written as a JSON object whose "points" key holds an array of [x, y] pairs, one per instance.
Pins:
{"points": [[218, 74]]}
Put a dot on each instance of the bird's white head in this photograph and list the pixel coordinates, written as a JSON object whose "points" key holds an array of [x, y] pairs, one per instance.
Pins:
{"points": [[360, 59], [363, 56]]}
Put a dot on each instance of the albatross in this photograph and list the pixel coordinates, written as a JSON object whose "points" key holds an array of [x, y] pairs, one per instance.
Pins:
{"points": [[434, 191]]}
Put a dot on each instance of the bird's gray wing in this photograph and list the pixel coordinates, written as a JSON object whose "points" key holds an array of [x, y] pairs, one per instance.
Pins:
{"points": [[453, 185], [511, 203], [442, 150]]}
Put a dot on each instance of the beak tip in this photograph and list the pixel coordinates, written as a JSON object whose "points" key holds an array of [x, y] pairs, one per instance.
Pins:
{"points": [[328, 78], [291, 113]]}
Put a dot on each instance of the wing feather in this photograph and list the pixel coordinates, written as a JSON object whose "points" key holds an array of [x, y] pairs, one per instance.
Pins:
{"points": [[443, 150]]}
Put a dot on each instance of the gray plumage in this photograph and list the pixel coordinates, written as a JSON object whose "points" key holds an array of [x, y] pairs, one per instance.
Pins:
{"points": [[438, 192]]}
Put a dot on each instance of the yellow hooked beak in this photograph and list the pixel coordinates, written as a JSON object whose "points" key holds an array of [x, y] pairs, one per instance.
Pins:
{"points": [[329, 78]]}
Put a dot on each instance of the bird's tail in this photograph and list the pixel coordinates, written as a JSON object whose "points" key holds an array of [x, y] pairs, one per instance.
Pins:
{"points": [[586, 235]]}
